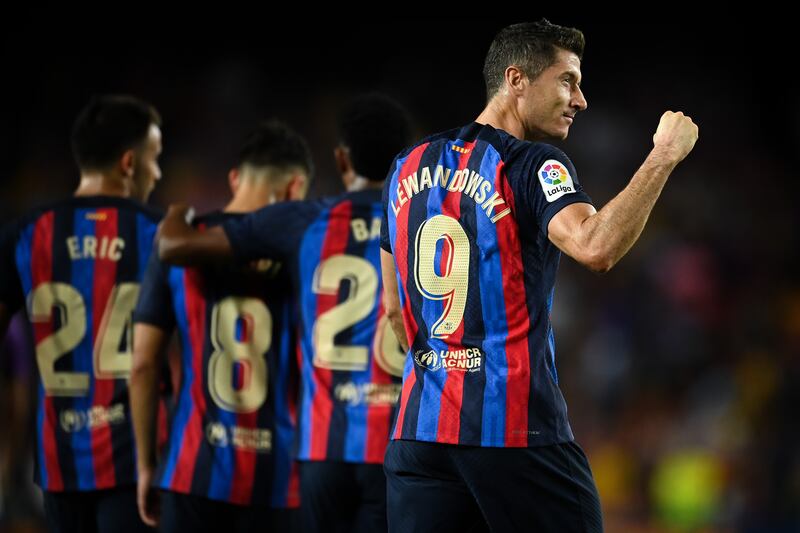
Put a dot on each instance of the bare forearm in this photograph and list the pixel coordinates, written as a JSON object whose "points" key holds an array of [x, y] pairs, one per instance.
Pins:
{"points": [[396, 320], [144, 409], [598, 240], [149, 343], [613, 230], [391, 298], [186, 246], [181, 244]]}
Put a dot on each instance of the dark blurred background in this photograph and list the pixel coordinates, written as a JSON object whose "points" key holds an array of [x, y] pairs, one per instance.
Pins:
{"points": [[681, 366]]}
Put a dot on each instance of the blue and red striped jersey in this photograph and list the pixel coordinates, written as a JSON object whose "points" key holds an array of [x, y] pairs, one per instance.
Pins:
{"points": [[77, 265], [465, 217], [349, 357], [233, 423]]}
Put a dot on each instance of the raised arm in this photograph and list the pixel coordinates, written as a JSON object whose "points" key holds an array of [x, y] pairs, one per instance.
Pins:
{"points": [[181, 244], [599, 239]]}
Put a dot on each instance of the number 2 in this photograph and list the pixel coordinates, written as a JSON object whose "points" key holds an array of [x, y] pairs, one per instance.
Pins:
{"points": [[360, 303]]}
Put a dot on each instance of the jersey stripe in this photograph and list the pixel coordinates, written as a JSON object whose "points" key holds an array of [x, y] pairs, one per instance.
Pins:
{"points": [[452, 393], [105, 274], [517, 321], [196, 322], [401, 249], [82, 280], [41, 260], [322, 405]]}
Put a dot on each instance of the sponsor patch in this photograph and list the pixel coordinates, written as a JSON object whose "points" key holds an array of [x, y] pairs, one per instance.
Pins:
{"points": [[555, 180]]}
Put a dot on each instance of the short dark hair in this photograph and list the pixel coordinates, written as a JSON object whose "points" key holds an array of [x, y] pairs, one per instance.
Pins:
{"points": [[108, 126], [375, 128], [274, 144], [531, 46]]}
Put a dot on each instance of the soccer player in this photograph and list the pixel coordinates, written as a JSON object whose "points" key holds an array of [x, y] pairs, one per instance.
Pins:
{"points": [[349, 356], [77, 264], [474, 222], [228, 464]]}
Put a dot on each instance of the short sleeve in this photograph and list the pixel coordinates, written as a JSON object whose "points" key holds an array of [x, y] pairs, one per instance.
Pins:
{"points": [[548, 183], [155, 298], [385, 241], [271, 232]]}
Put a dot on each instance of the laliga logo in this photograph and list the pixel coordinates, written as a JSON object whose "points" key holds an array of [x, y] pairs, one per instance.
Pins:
{"points": [[216, 434], [429, 359], [553, 174]]}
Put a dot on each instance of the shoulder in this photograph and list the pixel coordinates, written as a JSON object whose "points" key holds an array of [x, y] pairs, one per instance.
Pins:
{"points": [[526, 156], [427, 141], [32, 216], [151, 212]]}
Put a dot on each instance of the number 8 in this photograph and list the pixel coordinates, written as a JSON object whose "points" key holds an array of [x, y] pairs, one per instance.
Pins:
{"points": [[249, 353]]}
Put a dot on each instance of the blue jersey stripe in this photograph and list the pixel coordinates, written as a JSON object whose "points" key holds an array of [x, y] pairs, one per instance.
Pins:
{"points": [[145, 235], [494, 314], [309, 258], [23, 258], [363, 335], [551, 339], [219, 487], [40, 437], [283, 434], [82, 356], [184, 406]]}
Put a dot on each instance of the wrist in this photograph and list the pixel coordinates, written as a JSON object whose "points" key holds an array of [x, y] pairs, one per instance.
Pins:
{"points": [[145, 466], [663, 156]]}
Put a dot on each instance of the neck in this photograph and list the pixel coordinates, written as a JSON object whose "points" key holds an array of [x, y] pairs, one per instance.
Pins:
{"points": [[99, 184], [500, 114], [251, 197]]}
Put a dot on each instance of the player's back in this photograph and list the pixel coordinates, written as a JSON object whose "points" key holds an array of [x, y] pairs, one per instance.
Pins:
{"points": [[467, 221], [233, 424], [352, 362], [77, 265], [350, 359]]}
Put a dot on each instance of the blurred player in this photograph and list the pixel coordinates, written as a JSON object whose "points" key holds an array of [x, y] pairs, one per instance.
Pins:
{"points": [[474, 220], [228, 464], [349, 356], [77, 264]]}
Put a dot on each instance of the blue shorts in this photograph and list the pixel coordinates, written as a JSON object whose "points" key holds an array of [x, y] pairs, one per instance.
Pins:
{"points": [[439, 488]]}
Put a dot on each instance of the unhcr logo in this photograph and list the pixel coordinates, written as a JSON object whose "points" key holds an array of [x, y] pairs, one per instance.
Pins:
{"points": [[429, 359], [217, 434], [72, 420]]}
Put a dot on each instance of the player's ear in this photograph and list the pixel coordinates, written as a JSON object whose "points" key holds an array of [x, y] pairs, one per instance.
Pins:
{"points": [[515, 80], [127, 162], [344, 165], [297, 187], [233, 179]]}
